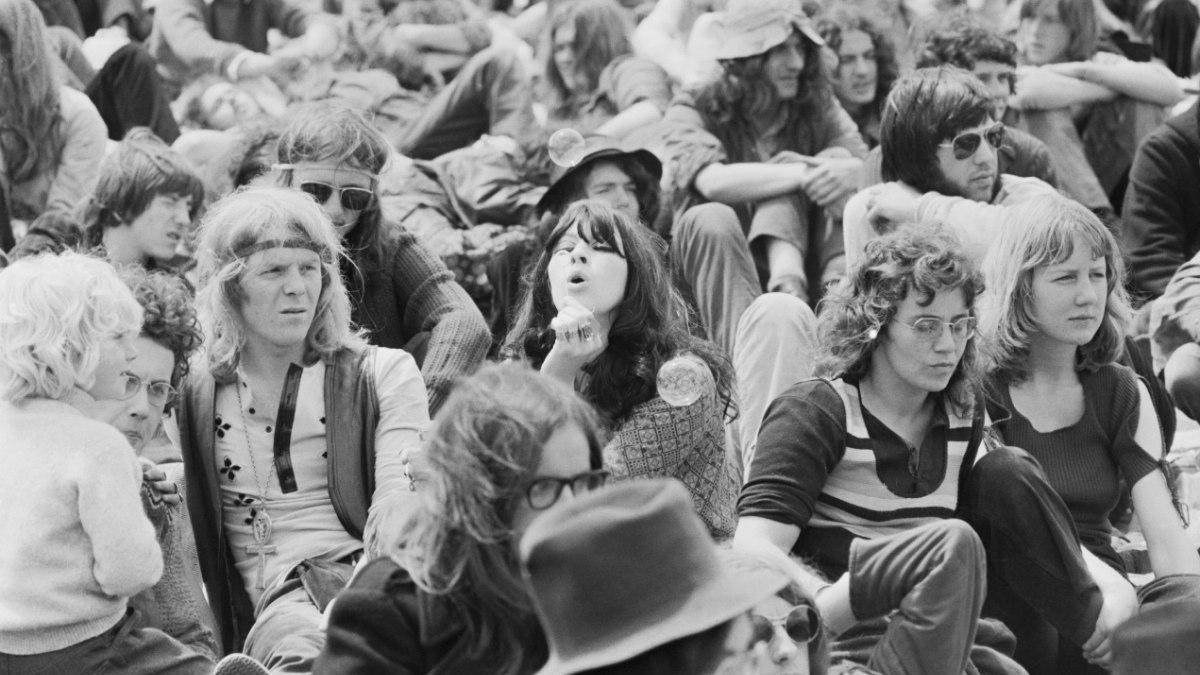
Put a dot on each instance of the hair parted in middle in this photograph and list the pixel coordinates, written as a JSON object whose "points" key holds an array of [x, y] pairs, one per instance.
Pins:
{"points": [[1079, 16], [485, 446], [650, 326], [833, 29], [602, 33], [922, 259], [1041, 232], [925, 108], [251, 216]]}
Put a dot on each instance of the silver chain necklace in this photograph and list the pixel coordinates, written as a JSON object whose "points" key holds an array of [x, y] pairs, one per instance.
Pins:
{"points": [[261, 520]]}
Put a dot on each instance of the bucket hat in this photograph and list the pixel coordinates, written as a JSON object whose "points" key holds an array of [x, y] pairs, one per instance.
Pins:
{"points": [[595, 148], [751, 27], [620, 571]]}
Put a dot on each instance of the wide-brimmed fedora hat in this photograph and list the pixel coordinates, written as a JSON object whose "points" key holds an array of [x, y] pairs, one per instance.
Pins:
{"points": [[751, 27], [594, 148], [620, 571]]}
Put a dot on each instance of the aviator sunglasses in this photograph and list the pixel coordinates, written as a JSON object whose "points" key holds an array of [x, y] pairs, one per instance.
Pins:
{"points": [[966, 144], [351, 198]]}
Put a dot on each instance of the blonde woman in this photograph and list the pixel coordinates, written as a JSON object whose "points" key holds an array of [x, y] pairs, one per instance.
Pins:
{"points": [[1054, 319]]}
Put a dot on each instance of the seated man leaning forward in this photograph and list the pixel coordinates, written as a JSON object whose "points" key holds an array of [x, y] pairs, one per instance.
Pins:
{"points": [[939, 142], [293, 430]]}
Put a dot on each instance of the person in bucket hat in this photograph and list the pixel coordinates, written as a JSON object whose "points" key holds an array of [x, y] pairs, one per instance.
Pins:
{"points": [[777, 146], [629, 572]]}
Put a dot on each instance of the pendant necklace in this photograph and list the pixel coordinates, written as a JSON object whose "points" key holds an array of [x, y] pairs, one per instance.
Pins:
{"points": [[261, 520]]}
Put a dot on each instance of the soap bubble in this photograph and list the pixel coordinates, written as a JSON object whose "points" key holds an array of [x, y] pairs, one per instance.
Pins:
{"points": [[566, 147], [684, 379]]}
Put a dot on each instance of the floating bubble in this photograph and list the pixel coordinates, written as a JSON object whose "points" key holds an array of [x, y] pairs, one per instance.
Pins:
{"points": [[566, 148], [684, 380]]}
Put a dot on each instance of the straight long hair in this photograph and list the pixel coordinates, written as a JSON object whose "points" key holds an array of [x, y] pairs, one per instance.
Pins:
{"points": [[30, 106]]}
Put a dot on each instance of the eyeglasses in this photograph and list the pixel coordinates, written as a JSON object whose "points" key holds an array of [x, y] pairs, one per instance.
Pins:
{"points": [[351, 198], [930, 328], [801, 624], [158, 392], [966, 144], [544, 492]]}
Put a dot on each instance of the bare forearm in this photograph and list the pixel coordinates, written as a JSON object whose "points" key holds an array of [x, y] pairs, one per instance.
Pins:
{"points": [[750, 181], [1149, 82], [640, 114]]}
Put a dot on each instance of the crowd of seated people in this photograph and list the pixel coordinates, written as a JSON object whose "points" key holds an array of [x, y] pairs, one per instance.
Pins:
{"points": [[870, 324]]}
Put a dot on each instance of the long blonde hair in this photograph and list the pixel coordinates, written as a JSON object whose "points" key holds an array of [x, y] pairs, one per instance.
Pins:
{"points": [[241, 220]]}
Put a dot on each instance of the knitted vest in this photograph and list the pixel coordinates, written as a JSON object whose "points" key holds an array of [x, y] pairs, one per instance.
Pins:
{"points": [[856, 500], [352, 411]]}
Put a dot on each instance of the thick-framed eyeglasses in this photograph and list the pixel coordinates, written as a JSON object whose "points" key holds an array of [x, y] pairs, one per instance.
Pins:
{"points": [[158, 392], [930, 328], [801, 624], [543, 492], [351, 198], [967, 144]]}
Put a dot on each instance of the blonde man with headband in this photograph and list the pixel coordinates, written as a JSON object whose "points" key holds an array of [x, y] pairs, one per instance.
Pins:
{"points": [[400, 291], [293, 430]]}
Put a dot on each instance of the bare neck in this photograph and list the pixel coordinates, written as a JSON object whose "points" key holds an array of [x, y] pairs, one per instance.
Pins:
{"points": [[1051, 363], [269, 362]]}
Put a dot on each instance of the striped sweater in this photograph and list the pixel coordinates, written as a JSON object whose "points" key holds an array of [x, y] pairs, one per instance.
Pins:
{"points": [[826, 465]]}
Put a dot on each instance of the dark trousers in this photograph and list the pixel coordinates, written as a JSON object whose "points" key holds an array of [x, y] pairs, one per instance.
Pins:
{"points": [[1038, 583], [129, 92], [492, 94]]}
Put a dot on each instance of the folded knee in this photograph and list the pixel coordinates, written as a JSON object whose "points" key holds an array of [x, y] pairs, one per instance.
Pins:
{"points": [[710, 221]]}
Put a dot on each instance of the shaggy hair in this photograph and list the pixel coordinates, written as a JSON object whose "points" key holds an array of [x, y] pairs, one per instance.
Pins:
{"points": [[55, 313], [1044, 232], [602, 29], [484, 449], [1079, 16], [964, 44], [925, 108], [645, 186], [650, 326], [741, 93], [140, 168], [30, 134], [834, 28], [242, 219], [922, 260]]}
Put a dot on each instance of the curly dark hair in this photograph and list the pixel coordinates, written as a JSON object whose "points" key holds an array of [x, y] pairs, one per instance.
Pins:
{"points": [[833, 29], [169, 314], [730, 102], [855, 314], [651, 325], [964, 43]]}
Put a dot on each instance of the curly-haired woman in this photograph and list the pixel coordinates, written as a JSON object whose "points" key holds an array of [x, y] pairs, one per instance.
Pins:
{"points": [[890, 447], [508, 444], [600, 314]]}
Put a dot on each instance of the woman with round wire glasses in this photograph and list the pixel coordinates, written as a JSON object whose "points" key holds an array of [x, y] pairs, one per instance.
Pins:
{"points": [[508, 444]]}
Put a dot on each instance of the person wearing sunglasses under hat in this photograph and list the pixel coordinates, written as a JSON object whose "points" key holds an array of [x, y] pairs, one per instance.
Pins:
{"points": [[626, 580], [401, 292], [776, 145], [940, 143], [448, 598]]}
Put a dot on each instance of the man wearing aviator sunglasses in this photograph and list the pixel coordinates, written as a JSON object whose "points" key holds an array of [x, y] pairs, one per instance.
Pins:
{"points": [[940, 145]]}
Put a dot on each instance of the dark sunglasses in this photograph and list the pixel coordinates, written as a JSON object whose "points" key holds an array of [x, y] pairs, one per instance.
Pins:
{"points": [[544, 492], [352, 198], [802, 624], [966, 145]]}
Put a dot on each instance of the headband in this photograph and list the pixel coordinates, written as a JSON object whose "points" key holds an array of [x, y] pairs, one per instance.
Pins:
{"points": [[340, 167], [250, 249]]}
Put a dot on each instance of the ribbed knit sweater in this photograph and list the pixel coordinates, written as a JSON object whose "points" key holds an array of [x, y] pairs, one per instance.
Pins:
{"points": [[1084, 461], [75, 543], [414, 292]]}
